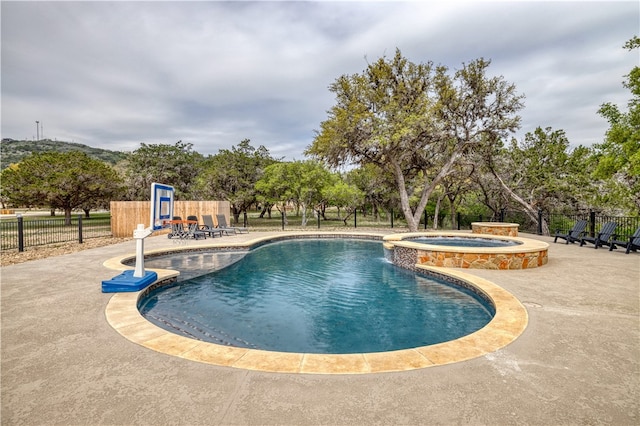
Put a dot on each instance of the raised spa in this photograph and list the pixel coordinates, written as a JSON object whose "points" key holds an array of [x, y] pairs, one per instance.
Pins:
{"points": [[464, 250]]}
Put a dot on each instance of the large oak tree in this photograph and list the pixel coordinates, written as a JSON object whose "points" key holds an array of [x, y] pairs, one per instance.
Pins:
{"points": [[415, 121], [232, 174], [177, 165], [67, 181]]}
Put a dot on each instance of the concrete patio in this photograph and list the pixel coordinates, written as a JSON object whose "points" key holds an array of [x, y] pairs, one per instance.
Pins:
{"points": [[578, 361]]}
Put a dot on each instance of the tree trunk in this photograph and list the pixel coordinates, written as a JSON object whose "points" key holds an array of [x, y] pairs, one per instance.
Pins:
{"points": [[528, 208], [404, 198], [376, 212], [235, 211], [413, 218], [452, 207], [67, 216], [436, 213], [266, 209]]}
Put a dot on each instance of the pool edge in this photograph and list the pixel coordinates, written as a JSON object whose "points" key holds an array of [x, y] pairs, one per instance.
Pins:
{"points": [[508, 324]]}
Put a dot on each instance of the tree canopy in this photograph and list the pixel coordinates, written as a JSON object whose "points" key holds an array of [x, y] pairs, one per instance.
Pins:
{"points": [[64, 181], [417, 136], [618, 157], [415, 121], [299, 182], [177, 165], [232, 174]]}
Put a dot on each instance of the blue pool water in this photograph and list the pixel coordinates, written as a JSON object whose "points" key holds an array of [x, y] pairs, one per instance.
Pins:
{"points": [[332, 296], [464, 242]]}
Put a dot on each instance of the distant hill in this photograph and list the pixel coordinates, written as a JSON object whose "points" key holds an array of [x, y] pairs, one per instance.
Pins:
{"points": [[13, 151]]}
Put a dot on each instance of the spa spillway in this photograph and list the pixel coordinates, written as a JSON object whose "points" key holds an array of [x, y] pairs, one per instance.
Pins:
{"points": [[433, 249]]}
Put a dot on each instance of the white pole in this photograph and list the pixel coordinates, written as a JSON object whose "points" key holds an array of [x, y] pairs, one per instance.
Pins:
{"points": [[140, 234]]}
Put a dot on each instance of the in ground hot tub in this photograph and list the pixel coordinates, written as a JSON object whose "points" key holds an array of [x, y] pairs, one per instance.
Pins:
{"points": [[407, 250]]}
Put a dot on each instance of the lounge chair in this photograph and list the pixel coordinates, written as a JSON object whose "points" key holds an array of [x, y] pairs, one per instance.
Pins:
{"points": [[177, 228], [574, 234], [603, 237], [208, 227], [633, 243], [193, 229], [222, 224]]}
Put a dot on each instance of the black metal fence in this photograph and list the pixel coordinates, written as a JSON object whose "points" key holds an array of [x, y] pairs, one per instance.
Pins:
{"points": [[556, 222], [22, 233], [626, 225], [526, 223]]}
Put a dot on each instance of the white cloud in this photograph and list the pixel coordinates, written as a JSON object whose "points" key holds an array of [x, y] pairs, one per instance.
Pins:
{"points": [[114, 74]]}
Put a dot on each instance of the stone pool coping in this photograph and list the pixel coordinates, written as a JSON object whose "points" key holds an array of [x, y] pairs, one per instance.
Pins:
{"points": [[509, 322]]}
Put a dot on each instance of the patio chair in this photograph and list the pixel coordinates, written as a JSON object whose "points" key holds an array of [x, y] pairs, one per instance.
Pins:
{"points": [[177, 229], [208, 227], [222, 224], [574, 234], [193, 230], [633, 243], [603, 237]]}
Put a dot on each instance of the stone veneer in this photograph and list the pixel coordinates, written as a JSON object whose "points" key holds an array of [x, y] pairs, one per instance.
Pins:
{"points": [[495, 228], [483, 260], [409, 254]]}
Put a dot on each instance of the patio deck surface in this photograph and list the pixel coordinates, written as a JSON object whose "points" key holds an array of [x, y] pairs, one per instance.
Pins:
{"points": [[577, 362]]}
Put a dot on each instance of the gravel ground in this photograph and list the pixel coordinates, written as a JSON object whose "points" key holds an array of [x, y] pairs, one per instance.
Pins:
{"points": [[12, 257]]}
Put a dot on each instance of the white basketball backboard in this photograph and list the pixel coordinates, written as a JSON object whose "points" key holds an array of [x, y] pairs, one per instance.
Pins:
{"points": [[161, 205]]}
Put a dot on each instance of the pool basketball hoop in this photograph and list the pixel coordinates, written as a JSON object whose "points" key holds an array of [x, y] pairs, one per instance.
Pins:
{"points": [[161, 213]]}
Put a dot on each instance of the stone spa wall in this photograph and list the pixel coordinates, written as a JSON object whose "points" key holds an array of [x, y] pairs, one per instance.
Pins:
{"points": [[495, 228], [528, 254]]}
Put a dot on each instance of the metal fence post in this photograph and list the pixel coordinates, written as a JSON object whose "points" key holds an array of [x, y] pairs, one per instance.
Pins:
{"points": [[355, 218], [458, 219], [318, 215], [20, 232], [539, 221], [391, 218], [80, 228], [282, 214], [592, 223], [425, 219], [502, 215]]}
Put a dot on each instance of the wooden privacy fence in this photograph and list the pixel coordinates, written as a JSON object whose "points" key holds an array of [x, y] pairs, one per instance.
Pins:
{"points": [[126, 215]]}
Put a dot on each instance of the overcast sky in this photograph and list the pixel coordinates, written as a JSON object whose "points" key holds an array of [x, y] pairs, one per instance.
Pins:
{"points": [[115, 74]]}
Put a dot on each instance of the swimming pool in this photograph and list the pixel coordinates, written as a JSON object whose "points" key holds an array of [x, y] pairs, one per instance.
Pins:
{"points": [[325, 296], [121, 312]]}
